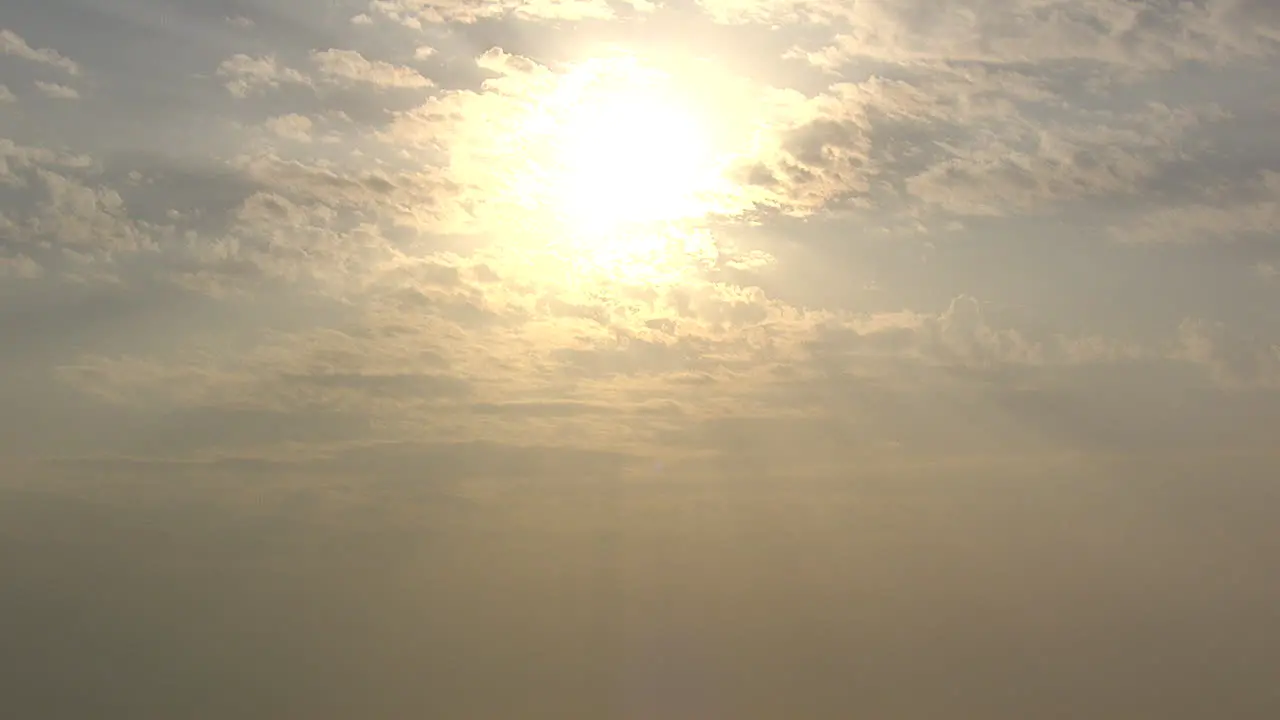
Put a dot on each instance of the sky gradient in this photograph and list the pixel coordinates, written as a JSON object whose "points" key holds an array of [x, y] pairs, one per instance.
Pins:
{"points": [[610, 358]]}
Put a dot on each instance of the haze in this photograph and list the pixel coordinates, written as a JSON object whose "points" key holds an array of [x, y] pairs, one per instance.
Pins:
{"points": [[593, 359]]}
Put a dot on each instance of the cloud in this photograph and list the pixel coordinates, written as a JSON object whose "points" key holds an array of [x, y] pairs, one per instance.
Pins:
{"points": [[20, 266], [56, 91], [1230, 359], [81, 216], [1135, 37], [452, 304], [245, 75], [590, 376], [6, 95], [1228, 213], [408, 196], [1023, 166], [291, 127], [351, 66], [417, 13], [12, 44], [18, 162], [248, 76]]}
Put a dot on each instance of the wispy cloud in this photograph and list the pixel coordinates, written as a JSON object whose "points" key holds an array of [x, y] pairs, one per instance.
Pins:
{"points": [[56, 91], [14, 45]]}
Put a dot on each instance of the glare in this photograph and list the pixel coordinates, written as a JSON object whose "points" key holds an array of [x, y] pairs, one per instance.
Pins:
{"points": [[633, 158], [624, 167]]}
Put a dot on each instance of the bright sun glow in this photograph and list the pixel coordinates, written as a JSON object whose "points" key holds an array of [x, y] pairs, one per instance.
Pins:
{"points": [[624, 167], [634, 159]]}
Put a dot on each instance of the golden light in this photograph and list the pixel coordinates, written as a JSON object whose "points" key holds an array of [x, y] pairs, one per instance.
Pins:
{"points": [[623, 165], [634, 158]]}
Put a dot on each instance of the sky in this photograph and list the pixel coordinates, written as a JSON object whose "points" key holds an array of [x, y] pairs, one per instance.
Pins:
{"points": [[631, 359]]}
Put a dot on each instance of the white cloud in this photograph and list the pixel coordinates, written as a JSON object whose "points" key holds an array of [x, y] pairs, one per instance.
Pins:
{"points": [[6, 95], [351, 66], [245, 75], [292, 127], [15, 158], [56, 91], [12, 44]]}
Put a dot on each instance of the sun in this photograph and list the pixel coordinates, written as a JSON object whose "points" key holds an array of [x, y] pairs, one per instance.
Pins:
{"points": [[620, 165], [627, 150], [634, 158]]}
